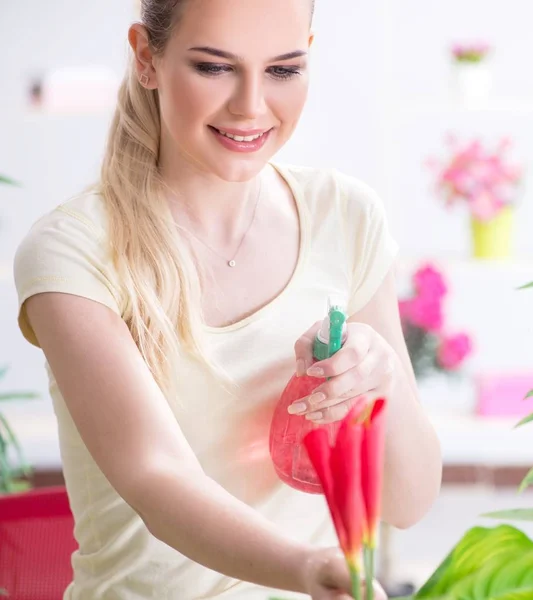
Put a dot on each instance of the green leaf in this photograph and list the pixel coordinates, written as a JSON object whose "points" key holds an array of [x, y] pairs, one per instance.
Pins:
{"points": [[12, 439], [18, 396], [526, 482], [517, 595], [8, 181], [487, 564], [528, 395], [525, 420], [526, 286], [513, 514]]}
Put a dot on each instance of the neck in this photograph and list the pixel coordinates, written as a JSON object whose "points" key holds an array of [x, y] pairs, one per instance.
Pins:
{"points": [[210, 207]]}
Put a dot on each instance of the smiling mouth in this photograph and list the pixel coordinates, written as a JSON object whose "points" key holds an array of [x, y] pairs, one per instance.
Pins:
{"points": [[241, 138]]}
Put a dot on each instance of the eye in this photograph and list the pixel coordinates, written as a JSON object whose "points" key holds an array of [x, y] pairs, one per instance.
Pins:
{"points": [[212, 69], [285, 72]]}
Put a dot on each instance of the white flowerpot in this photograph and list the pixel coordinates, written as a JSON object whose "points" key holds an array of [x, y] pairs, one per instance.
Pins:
{"points": [[471, 84]]}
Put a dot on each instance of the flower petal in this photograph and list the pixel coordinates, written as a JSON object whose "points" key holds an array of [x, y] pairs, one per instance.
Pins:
{"points": [[346, 469], [372, 459], [316, 443]]}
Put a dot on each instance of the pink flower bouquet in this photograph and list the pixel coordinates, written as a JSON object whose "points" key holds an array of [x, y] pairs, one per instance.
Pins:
{"points": [[478, 177], [431, 347]]}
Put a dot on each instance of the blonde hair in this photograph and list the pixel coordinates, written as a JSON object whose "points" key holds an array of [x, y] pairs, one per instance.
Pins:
{"points": [[160, 277]]}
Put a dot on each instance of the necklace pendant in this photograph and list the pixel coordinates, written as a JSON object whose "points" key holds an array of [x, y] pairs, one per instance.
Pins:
{"points": [[231, 263]]}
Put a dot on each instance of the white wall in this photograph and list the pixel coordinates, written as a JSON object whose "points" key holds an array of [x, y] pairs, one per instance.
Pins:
{"points": [[379, 85]]}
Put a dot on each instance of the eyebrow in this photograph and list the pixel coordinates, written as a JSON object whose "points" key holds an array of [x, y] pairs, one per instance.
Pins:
{"points": [[236, 58]]}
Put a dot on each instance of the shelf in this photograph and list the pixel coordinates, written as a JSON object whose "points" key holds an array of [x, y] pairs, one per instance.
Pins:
{"points": [[482, 441], [519, 266], [511, 109]]}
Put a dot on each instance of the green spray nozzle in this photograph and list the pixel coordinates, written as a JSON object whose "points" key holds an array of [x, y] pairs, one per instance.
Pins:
{"points": [[330, 337], [337, 319]]}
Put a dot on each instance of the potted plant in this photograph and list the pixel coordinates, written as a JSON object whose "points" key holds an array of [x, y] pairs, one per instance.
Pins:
{"points": [[471, 76], [488, 185], [432, 348], [13, 469]]}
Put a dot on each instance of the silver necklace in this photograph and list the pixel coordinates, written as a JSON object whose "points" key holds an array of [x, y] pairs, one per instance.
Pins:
{"points": [[231, 262]]}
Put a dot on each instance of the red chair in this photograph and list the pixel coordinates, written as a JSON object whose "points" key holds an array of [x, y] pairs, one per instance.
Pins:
{"points": [[36, 543]]}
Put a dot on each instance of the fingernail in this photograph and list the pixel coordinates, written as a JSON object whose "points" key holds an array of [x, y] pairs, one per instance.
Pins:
{"points": [[315, 372], [296, 408], [317, 398], [300, 367], [314, 416]]}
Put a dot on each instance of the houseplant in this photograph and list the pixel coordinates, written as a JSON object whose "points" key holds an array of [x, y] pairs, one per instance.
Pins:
{"points": [[481, 179], [472, 79], [433, 349], [13, 468]]}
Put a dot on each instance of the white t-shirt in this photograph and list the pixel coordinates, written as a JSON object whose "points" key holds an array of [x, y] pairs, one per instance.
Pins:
{"points": [[345, 249]]}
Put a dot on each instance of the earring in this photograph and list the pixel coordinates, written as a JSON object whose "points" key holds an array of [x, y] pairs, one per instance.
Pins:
{"points": [[144, 79]]}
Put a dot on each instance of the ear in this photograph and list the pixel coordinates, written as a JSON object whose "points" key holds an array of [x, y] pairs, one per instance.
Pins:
{"points": [[311, 38], [144, 58]]}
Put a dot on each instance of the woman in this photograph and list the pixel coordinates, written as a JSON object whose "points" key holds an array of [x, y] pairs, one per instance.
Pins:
{"points": [[168, 302]]}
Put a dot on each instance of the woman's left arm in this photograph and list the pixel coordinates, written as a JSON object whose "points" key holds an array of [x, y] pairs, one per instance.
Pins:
{"points": [[374, 362], [413, 462]]}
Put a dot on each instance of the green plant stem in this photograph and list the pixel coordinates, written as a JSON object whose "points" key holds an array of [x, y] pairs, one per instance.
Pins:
{"points": [[356, 581], [368, 553]]}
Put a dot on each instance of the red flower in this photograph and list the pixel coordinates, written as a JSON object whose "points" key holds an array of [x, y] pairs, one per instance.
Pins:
{"points": [[351, 474], [339, 471]]}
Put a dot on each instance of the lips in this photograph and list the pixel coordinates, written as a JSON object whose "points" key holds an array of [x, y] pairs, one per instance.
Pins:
{"points": [[241, 140]]}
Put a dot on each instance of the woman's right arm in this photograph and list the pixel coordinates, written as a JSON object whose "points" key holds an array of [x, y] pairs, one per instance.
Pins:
{"points": [[132, 434]]}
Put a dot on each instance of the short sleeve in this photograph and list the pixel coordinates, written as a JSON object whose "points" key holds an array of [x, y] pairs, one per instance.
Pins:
{"points": [[64, 252], [372, 248]]}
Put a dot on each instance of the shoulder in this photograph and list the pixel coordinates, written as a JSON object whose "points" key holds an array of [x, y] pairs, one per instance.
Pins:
{"points": [[328, 187], [67, 243], [83, 212], [78, 222]]}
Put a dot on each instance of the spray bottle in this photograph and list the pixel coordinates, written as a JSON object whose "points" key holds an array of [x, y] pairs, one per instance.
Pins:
{"points": [[287, 431]]}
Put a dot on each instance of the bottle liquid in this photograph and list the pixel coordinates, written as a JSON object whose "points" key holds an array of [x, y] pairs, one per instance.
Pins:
{"points": [[287, 431]]}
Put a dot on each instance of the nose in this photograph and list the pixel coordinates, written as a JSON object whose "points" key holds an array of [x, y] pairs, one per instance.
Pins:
{"points": [[248, 100]]}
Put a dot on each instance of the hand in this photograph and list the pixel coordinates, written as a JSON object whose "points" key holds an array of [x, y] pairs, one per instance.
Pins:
{"points": [[361, 371], [326, 577]]}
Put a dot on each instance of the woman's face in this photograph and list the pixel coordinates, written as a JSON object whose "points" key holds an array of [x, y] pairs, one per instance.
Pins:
{"points": [[232, 83]]}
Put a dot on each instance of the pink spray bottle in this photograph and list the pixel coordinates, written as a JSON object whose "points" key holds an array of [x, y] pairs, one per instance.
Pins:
{"points": [[287, 431]]}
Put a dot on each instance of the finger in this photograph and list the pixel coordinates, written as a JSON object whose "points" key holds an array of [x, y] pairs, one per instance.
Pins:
{"points": [[358, 380], [303, 349], [339, 411], [353, 352]]}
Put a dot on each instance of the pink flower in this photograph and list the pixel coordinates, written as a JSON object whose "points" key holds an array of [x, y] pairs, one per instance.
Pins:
{"points": [[426, 312], [429, 282], [453, 350], [470, 51], [479, 178]]}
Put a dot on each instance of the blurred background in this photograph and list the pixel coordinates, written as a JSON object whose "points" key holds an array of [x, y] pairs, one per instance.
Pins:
{"points": [[429, 102]]}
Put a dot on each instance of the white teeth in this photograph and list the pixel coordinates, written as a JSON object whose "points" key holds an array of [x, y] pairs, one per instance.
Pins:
{"points": [[240, 138]]}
